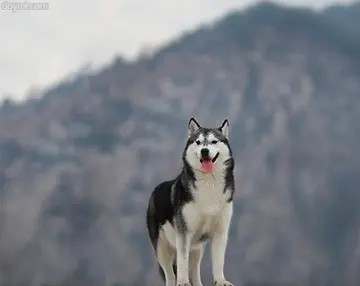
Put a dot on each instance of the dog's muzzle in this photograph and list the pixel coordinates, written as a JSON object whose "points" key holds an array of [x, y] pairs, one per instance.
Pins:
{"points": [[207, 158]]}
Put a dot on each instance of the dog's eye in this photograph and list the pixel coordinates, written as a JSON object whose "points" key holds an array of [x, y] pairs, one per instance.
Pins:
{"points": [[198, 142], [214, 142]]}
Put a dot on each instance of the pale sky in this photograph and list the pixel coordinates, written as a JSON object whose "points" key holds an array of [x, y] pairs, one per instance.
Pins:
{"points": [[39, 48]]}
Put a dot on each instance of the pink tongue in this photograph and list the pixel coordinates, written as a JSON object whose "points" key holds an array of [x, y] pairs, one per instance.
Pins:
{"points": [[207, 166]]}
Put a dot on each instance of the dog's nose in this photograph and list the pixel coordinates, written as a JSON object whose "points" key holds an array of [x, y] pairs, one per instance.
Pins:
{"points": [[204, 152]]}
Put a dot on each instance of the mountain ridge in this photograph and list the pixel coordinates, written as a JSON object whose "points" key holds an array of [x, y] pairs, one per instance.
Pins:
{"points": [[276, 14]]}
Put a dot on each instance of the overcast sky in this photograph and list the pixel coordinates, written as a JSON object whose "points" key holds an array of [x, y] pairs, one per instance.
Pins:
{"points": [[41, 47]]}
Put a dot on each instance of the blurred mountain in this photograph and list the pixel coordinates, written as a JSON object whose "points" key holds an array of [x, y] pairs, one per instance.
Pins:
{"points": [[78, 164], [345, 17]]}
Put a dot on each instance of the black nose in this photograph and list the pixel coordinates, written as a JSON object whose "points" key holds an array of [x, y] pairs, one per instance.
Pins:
{"points": [[204, 152]]}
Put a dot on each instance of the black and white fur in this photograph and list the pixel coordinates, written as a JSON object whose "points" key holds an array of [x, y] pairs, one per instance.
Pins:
{"points": [[184, 213]]}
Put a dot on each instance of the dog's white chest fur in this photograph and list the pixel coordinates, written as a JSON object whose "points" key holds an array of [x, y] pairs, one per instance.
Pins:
{"points": [[209, 196], [205, 213]]}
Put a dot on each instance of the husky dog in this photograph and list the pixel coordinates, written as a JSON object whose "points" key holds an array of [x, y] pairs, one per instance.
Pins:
{"points": [[184, 213]]}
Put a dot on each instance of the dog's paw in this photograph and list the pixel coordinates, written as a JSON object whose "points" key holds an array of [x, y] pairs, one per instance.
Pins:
{"points": [[223, 283]]}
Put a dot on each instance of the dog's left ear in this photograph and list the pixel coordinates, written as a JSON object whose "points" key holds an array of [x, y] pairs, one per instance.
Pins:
{"points": [[225, 128]]}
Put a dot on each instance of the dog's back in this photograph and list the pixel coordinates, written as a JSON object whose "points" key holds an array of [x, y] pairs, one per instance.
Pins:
{"points": [[159, 210]]}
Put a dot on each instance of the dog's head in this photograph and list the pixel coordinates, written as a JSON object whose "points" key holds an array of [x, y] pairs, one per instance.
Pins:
{"points": [[207, 149]]}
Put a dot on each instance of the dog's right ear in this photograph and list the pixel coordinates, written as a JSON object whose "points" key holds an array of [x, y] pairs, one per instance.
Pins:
{"points": [[193, 126]]}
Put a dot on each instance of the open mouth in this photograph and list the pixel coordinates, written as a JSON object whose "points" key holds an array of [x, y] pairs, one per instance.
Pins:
{"points": [[215, 158], [207, 164], [208, 159]]}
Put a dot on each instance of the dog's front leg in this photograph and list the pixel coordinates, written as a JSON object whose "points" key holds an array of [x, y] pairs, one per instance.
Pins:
{"points": [[218, 246], [182, 258]]}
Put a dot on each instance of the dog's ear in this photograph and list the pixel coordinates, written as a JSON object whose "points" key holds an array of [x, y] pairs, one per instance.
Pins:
{"points": [[225, 128], [193, 126]]}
